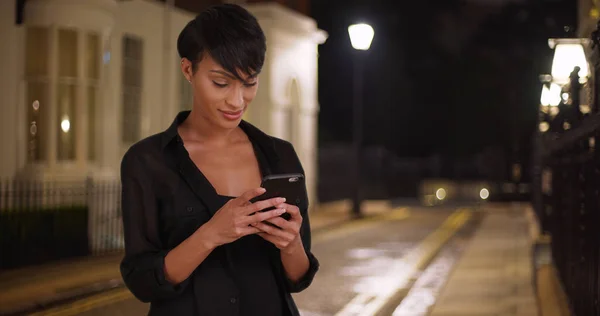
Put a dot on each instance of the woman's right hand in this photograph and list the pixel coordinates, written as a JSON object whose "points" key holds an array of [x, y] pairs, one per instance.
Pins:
{"points": [[233, 220]]}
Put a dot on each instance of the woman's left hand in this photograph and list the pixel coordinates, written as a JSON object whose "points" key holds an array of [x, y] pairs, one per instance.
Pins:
{"points": [[286, 236]]}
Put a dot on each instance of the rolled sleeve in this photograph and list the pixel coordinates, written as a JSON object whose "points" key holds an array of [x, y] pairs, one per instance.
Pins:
{"points": [[145, 278], [313, 264], [289, 153], [304, 282], [142, 268]]}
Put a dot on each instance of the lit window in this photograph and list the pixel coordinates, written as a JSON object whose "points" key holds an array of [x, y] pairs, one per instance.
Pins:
{"points": [[67, 94], [36, 71], [72, 85]]}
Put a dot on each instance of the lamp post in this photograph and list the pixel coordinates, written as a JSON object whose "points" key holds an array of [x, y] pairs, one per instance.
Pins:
{"points": [[361, 36]]}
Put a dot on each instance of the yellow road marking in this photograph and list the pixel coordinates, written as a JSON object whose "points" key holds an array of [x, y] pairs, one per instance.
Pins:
{"points": [[369, 304], [88, 304]]}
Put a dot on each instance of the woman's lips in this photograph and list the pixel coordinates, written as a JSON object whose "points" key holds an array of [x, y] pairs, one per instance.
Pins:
{"points": [[232, 116]]}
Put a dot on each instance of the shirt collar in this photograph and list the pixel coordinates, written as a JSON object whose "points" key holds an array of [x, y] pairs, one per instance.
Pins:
{"points": [[256, 136]]}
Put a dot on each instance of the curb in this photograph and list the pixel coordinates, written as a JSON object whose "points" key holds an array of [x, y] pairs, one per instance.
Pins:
{"points": [[549, 292], [64, 297]]}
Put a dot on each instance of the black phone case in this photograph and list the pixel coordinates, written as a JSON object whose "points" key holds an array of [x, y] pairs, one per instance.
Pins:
{"points": [[290, 186]]}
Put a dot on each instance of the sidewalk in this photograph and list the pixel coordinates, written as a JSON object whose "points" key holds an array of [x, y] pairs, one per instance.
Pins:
{"points": [[495, 274], [33, 287]]}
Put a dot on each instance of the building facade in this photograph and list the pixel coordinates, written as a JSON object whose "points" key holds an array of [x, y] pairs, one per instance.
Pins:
{"points": [[587, 16], [83, 80]]}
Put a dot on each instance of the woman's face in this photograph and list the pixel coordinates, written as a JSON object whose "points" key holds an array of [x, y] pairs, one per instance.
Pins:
{"points": [[219, 96]]}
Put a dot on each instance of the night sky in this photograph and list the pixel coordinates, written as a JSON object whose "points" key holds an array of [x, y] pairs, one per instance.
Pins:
{"points": [[446, 77]]}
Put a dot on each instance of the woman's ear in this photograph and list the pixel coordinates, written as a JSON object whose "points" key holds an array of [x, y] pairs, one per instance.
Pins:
{"points": [[186, 69]]}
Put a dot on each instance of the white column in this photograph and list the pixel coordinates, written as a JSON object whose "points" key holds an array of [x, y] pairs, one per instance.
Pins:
{"points": [[11, 128], [81, 108], [109, 109], [307, 150], [52, 125], [279, 120], [103, 100], [84, 16]]}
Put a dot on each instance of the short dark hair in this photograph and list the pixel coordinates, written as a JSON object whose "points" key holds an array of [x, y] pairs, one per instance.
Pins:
{"points": [[229, 34]]}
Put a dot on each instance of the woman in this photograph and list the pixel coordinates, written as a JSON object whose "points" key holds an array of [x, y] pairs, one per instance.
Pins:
{"points": [[194, 244]]}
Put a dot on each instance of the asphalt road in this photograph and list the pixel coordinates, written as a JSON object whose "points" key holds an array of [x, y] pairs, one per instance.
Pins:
{"points": [[357, 261]]}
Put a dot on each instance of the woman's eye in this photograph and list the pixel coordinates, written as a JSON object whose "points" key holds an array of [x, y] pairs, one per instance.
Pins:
{"points": [[251, 84], [220, 85]]}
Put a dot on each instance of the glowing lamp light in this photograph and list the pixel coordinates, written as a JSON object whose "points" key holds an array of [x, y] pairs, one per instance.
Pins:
{"points": [[440, 194], [484, 194], [65, 124], [551, 96], [361, 36], [566, 57]]}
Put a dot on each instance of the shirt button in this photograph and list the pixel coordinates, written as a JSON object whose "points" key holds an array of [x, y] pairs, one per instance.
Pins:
{"points": [[233, 300], [190, 209]]}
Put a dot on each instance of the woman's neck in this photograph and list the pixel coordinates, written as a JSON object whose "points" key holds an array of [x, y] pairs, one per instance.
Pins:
{"points": [[200, 129]]}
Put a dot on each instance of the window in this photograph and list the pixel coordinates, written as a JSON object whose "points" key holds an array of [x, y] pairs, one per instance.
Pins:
{"points": [[67, 94], [132, 88], [37, 95], [92, 119], [93, 57], [36, 72], [74, 91]]}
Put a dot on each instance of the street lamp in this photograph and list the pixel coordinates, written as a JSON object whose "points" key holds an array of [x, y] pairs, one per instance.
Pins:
{"points": [[560, 108], [549, 101], [568, 54], [551, 96], [361, 36], [560, 102]]}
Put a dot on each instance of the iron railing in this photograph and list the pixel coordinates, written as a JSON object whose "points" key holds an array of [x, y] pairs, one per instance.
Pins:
{"points": [[567, 192], [42, 221]]}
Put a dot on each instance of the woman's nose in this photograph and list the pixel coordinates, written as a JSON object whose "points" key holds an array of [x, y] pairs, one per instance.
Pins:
{"points": [[236, 97]]}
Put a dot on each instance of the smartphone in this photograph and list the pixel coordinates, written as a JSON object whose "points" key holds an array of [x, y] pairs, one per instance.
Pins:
{"points": [[289, 186]]}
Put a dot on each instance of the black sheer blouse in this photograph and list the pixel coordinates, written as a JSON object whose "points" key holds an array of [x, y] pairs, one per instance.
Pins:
{"points": [[166, 198]]}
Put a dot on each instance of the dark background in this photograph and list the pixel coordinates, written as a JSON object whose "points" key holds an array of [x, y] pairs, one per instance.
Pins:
{"points": [[451, 87], [445, 76]]}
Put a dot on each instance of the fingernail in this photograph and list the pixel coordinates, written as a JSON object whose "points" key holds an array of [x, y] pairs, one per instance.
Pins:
{"points": [[280, 211], [262, 190], [281, 200]]}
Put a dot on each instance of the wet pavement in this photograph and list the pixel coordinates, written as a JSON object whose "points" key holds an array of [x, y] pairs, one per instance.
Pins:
{"points": [[361, 260], [355, 263]]}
